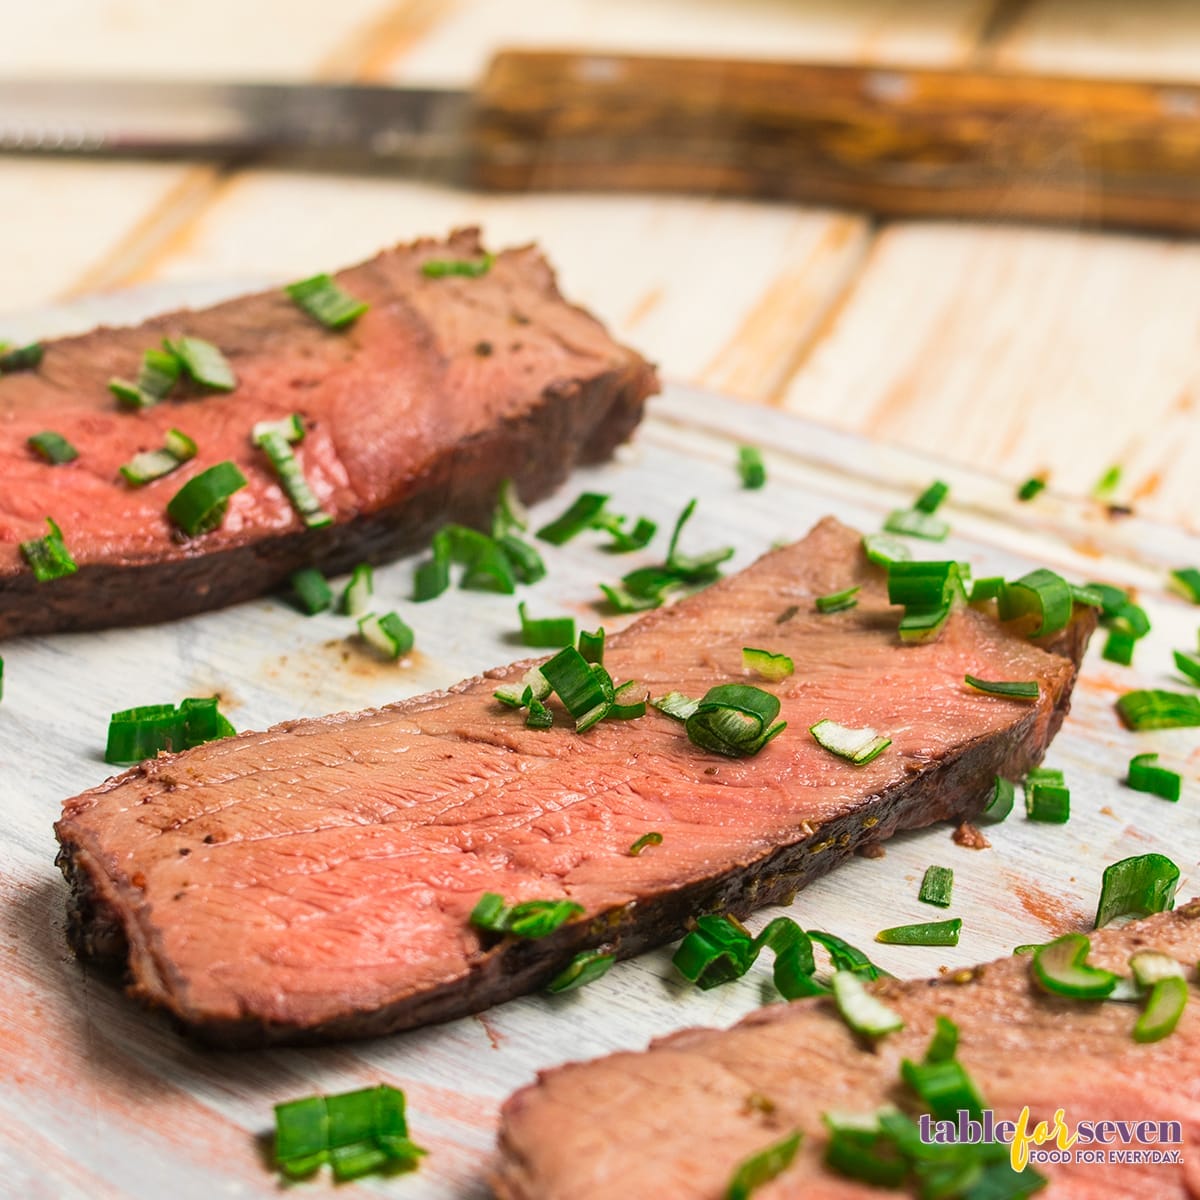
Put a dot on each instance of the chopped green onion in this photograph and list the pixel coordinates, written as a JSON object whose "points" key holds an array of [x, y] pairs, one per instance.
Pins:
{"points": [[1149, 966], [929, 592], [523, 560], [647, 839], [22, 358], [1047, 799], [486, 566], [312, 590], [846, 957], [1119, 647], [720, 949], [944, 1044], [469, 268], [1186, 581], [930, 933], [1060, 967], [1001, 804], [529, 919], [1188, 665], [586, 967], [930, 500], [1139, 885], [773, 667], [355, 1132], [323, 300], [693, 568], [387, 634], [622, 600], [203, 362], [861, 1150], [532, 685], [546, 631], [1168, 997], [1041, 593], [864, 1013], [1107, 484], [509, 515], [883, 549], [637, 538], [751, 468], [49, 556], [937, 886], [1157, 709], [838, 601], [53, 447], [858, 746], [942, 1084], [199, 506], [591, 645], [1023, 690], [913, 523], [140, 733], [157, 376], [357, 596], [1030, 488], [176, 442], [1144, 776], [275, 442], [734, 719], [578, 517], [579, 686], [629, 701], [538, 716], [677, 705], [144, 468], [762, 1167]]}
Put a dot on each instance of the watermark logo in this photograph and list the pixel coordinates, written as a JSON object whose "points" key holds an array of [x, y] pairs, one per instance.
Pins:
{"points": [[1059, 1140]]}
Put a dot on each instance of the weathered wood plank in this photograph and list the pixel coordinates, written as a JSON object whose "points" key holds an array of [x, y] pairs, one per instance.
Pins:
{"points": [[1025, 351]]}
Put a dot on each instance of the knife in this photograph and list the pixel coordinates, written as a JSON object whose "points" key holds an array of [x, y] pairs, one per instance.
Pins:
{"points": [[894, 141]]}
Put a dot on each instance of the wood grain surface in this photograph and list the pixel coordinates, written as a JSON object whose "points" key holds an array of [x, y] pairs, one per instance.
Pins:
{"points": [[101, 1099]]}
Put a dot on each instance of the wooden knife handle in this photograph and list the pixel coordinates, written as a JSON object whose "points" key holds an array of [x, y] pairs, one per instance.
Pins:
{"points": [[898, 142]]}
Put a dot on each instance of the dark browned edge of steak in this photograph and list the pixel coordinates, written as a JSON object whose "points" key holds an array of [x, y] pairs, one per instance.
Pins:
{"points": [[956, 788], [576, 421]]}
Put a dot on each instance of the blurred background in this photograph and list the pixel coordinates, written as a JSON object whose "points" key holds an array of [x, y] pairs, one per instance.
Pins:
{"points": [[1022, 346]]}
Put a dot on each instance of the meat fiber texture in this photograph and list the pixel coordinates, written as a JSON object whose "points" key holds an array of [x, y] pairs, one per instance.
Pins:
{"points": [[414, 416], [315, 881], [677, 1119]]}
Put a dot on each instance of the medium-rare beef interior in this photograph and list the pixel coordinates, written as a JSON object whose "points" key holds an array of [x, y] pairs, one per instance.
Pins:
{"points": [[316, 880], [413, 415]]}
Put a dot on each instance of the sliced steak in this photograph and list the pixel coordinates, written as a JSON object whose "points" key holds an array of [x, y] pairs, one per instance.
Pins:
{"points": [[676, 1120], [315, 881], [414, 416]]}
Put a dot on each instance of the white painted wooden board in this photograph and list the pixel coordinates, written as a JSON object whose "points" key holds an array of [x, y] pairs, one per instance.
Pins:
{"points": [[100, 1099]]}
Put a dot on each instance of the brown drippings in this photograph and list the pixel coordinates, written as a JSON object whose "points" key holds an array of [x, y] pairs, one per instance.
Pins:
{"points": [[970, 837], [493, 1034], [872, 850]]}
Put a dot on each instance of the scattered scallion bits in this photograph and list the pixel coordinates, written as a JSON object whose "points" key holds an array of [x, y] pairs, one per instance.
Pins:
{"points": [[769, 665], [1145, 776], [355, 1132], [1186, 582], [751, 468], [929, 592], [987, 588], [732, 719], [1032, 487], [1119, 647], [203, 362], [360, 591], [48, 556], [529, 919], [1167, 1000], [858, 746], [1009, 689], [591, 645], [21, 358], [629, 701], [149, 465], [1001, 803], [846, 957], [199, 506], [586, 967], [1106, 486], [652, 838], [863, 1012], [387, 634], [930, 500], [839, 601], [1188, 665], [937, 886], [1041, 594], [468, 268], [1138, 885], [52, 447], [912, 522], [545, 631], [1158, 709], [275, 440], [135, 734], [580, 515], [1047, 798], [929, 933], [312, 591], [1061, 967], [321, 298], [883, 549], [751, 1173], [158, 374]]}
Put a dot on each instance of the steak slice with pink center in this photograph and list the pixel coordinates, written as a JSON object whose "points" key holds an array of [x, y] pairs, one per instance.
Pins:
{"points": [[676, 1120], [316, 880]]}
